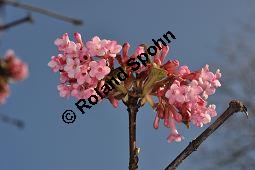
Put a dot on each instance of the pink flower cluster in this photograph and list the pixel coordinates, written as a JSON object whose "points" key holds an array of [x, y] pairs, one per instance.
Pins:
{"points": [[11, 69], [182, 99], [181, 93], [82, 66], [186, 100]]}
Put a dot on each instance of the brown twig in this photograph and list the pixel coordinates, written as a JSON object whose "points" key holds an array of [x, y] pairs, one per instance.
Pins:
{"points": [[132, 108], [42, 11], [28, 18], [16, 122], [234, 106]]}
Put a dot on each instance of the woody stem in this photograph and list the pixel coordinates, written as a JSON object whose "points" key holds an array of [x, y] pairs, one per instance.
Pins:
{"points": [[28, 18], [132, 108], [234, 106]]}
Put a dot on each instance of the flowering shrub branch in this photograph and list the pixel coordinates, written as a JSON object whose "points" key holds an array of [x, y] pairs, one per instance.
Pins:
{"points": [[234, 106], [181, 94]]}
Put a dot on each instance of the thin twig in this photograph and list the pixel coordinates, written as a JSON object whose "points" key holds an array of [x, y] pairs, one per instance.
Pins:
{"points": [[132, 108], [28, 18], [234, 106], [42, 11], [16, 122]]}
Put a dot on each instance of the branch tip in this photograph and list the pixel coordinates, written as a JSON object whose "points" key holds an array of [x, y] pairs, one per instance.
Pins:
{"points": [[234, 106], [238, 106]]}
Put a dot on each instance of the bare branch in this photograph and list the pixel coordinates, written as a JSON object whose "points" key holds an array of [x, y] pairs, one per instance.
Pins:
{"points": [[42, 11], [234, 106], [16, 122], [28, 18]]}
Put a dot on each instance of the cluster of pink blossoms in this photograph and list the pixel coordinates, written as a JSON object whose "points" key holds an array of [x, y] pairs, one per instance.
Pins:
{"points": [[11, 69], [82, 66], [185, 99], [181, 93]]}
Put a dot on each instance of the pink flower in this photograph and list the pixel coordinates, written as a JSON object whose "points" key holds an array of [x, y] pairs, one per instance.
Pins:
{"points": [[99, 69], [197, 120], [184, 70], [201, 114], [81, 78], [17, 69], [211, 110], [175, 93], [174, 135], [171, 66], [176, 116], [80, 93], [156, 122], [96, 47], [113, 48], [64, 90], [206, 119], [72, 66], [165, 50], [217, 76], [56, 63], [125, 50], [78, 38], [64, 77], [88, 92], [139, 50], [62, 42], [72, 48], [76, 91], [193, 91], [209, 81]]}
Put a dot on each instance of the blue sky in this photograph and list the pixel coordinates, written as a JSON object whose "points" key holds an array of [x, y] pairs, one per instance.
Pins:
{"points": [[99, 139]]}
